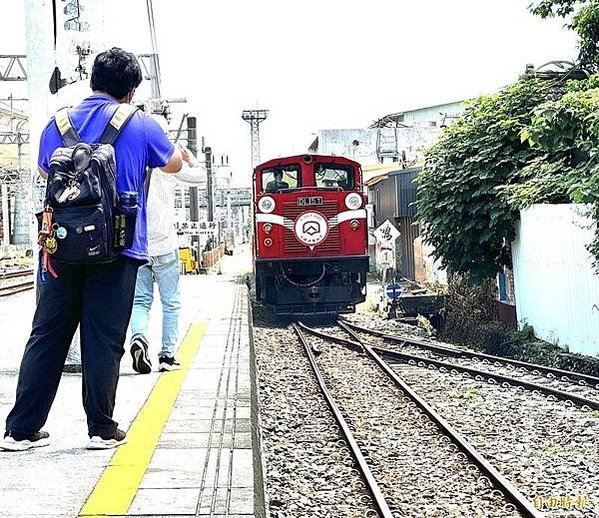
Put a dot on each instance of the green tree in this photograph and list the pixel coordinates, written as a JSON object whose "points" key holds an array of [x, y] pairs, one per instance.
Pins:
{"points": [[583, 16], [537, 141], [462, 212]]}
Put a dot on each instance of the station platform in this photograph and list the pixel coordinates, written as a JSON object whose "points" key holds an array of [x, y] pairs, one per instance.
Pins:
{"points": [[191, 447]]}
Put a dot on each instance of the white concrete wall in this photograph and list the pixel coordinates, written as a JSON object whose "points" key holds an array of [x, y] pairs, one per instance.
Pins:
{"points": [[557, 291], [342, 142]]}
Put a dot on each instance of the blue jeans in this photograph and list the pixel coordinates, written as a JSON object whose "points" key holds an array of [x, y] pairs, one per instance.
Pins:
{"points": [[164, 269]]}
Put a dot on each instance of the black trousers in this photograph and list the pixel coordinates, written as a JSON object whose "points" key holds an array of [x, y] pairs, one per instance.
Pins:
{"points": [[99, 299]]}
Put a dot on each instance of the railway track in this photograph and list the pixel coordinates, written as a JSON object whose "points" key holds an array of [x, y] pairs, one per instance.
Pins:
{"points": [[571, 387], [485, 491], [12, 288]]}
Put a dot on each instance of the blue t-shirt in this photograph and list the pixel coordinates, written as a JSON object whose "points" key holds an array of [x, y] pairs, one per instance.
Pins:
{"points": [[141, 143]]}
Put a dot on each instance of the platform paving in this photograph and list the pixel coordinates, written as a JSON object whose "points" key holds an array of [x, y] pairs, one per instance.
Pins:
{"points": [[201, 462]]}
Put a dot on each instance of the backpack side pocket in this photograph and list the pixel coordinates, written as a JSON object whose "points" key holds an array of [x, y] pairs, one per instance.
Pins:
{"points": [[124, 226]]}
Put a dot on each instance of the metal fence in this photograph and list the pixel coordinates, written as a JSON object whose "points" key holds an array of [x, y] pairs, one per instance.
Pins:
{"points": [[557, 291]]}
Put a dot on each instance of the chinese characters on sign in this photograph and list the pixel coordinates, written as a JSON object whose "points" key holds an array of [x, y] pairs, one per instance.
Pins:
{"points": [[202, 228], [386, 235]]}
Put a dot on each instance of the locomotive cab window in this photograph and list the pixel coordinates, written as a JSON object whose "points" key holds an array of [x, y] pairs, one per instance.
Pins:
{"points": [[280, 178], [334, 176]]}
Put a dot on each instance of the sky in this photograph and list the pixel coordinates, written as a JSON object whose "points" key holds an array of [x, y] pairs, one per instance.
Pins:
{"points": [[319, 64]]}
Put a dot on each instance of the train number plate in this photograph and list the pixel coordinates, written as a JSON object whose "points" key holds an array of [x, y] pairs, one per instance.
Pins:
{"points": [[312, 200]]}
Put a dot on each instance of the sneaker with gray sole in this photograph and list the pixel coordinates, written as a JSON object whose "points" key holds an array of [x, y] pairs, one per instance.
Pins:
{"points": [[139, 353], [21, 442], [107, 442]]}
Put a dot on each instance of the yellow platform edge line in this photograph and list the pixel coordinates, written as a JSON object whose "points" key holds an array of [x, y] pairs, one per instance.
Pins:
{"points": [[118, 485]]}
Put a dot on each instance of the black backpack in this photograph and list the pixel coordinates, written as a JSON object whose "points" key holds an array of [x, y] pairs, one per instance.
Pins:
{"points": [[84, 220]]}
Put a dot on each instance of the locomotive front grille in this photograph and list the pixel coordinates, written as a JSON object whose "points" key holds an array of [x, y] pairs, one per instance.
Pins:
{"points": [[328, 209]]}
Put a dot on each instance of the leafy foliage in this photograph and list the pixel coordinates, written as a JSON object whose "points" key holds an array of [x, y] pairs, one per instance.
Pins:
{"points": [[584, 20], [531, 143], [463, 215], [568, 131]]}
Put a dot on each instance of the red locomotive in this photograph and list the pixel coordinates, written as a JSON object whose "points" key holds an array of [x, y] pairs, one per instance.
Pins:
{"points": [[310, 235]]}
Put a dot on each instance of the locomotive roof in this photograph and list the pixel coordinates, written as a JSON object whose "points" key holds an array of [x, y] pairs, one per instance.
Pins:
{"points": [[298, 158]]}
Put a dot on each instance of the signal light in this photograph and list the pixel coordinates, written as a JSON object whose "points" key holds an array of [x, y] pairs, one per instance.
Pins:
{"points": [[354, 224], [268, 241], [267, 227]]}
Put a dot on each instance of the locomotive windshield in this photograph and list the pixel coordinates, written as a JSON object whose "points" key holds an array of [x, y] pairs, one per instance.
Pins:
{"points": [[334, 176], [281, 177]]}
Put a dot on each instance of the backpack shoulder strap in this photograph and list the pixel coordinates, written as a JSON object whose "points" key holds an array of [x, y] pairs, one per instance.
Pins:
{"points": [[65, 127], [119, 119]]}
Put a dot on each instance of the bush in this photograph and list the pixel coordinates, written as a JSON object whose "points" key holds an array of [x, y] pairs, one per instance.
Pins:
{"points": [[471, 320]]}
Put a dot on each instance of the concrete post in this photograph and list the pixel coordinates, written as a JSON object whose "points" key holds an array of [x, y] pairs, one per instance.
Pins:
{"points": [[5, 216]]}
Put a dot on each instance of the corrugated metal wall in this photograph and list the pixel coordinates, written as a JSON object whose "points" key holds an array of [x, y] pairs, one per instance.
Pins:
{"points": [[557, 291], [384, 200], [393, 200], [405, 188], [409, 232]]}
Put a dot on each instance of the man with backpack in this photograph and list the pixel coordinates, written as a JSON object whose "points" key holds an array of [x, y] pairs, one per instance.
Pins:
{"points": [[93, 238]]}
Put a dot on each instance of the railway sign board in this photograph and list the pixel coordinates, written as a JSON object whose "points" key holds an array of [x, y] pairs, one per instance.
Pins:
{"points": [[195, 228], [386, 233], [385, 255], [393, 290]]}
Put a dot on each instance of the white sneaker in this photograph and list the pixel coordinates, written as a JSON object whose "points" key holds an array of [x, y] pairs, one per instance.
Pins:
{"points": [[106, 443], [22, 443]]}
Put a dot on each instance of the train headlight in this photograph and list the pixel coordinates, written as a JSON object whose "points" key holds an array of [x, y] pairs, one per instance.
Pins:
{"points": [[267, 227], [268, 241], [266, 204], [353, 201], [354, 224]]}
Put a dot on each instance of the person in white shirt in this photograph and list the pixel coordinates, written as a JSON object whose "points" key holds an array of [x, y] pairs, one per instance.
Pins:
{"points": [[163, 266]]}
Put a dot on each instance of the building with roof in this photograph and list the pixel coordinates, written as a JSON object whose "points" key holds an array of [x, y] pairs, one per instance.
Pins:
{"points": [[397, 139], [390, 152]]}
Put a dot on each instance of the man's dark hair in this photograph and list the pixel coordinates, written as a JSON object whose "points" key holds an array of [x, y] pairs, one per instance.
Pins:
{"points": [[115, 72]]}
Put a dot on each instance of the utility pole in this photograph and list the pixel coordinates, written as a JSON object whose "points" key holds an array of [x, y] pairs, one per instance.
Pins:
{"points": [[154, 61], [209, 183], [194, 212], [254, 118], [5, 215], [192, 144]]}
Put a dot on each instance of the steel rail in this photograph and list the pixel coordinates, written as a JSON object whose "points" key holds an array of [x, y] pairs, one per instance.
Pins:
{"points": [[14, 274], [379, 499], [5, 291], [560, 394], [511, 492], [591, 380]]}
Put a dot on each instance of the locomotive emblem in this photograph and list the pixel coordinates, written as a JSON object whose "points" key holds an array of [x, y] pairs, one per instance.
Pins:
{"points": [[311, 228]]}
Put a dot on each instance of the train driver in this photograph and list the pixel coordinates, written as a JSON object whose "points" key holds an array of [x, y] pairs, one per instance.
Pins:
{"points": [[277, 183]]}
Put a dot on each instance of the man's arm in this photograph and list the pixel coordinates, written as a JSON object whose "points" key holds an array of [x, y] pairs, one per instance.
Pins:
{"points": [[42, 173], [175, 163], [192, 172], [162, 154]]}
